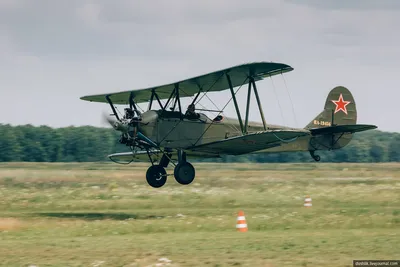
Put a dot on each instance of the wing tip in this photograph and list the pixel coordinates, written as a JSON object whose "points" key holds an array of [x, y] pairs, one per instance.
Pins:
{"points": [[85, 98]]}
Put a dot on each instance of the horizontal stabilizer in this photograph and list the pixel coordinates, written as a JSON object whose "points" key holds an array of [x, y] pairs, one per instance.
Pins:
{"points": [[342, 129], [251, 142]]}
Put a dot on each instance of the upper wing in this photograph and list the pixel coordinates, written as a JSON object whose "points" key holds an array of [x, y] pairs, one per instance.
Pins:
{"points": [[251, 142], [215, 81]]}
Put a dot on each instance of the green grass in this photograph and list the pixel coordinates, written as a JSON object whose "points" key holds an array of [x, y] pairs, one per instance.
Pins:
{"points": [[104, 214]]}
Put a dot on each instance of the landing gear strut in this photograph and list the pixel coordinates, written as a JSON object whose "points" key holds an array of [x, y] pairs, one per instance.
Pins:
{"points": [[156, 175], [315, 157]]}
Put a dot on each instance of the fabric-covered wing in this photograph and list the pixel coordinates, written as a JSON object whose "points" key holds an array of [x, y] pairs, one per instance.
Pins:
{"points": [[251, 142], [215, 81]]}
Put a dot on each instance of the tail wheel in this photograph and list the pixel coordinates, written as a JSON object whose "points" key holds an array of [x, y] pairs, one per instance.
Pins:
{"points": [[315, 157], [184, 173], [156, 176]]}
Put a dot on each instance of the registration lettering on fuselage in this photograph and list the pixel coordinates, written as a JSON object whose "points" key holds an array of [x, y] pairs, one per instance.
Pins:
{"points": [[322, 123]]}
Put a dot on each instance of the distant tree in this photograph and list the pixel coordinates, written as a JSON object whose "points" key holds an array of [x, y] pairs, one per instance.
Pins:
{"points": [[87, 143], [377, 152], [9, 145], [394, 149]]}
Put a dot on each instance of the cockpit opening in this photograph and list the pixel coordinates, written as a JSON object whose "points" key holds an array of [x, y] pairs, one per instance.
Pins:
{"points": [[191, 112]]}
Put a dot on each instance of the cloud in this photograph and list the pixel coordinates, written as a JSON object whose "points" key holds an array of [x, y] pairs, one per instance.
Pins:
{"points": [[100, 29], [53, 52], [353, 4]]}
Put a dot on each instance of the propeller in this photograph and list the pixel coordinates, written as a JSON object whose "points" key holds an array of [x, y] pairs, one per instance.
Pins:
{"points": [[118, 125], [125, 125]]}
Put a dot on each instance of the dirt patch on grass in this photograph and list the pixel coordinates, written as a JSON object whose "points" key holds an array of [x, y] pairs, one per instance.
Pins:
{"points": [[10, 224]]}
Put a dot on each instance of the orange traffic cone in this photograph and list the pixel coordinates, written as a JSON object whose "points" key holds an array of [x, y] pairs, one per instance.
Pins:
{"points": [[241, 224], [307, 202]]}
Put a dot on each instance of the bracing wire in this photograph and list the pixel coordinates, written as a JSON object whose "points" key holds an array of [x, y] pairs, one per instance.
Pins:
{"points": [[205, 94], [195, 103], [221, 110], [198, 103], [222, 74], [291, 102], [116, 108], [140, 108], [232, 125], [277, 99]]}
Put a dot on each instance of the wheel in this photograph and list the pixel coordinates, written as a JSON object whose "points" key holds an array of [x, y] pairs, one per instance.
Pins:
{"points": [[184, 173], [156, 176], [317, 158]]}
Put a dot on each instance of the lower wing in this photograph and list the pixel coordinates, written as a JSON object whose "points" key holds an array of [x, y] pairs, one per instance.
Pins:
{"points": [[251, 142]]}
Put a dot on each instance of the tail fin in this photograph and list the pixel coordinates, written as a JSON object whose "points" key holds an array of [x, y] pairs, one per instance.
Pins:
{"points": [[333, 128], [340, 109]]}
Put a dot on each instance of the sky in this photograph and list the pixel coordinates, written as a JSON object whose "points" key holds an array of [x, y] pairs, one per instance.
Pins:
{"points": [[53, 52]]}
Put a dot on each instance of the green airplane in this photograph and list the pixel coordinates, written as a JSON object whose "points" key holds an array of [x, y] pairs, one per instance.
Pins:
{"points": [[167, 135]]}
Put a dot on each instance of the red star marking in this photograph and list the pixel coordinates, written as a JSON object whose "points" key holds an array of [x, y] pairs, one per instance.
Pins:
{"points": [[341, 104]]}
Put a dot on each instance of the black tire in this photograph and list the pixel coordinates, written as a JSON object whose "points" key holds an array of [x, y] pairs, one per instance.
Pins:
{"points": [[184, 173], [317, 158], [156, 176]]}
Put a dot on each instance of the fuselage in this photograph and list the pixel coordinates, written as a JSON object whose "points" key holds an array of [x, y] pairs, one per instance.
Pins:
{"points": [[168, 129]]}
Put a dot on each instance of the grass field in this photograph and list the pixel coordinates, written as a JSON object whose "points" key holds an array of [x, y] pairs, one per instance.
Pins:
{"points": [[107, 215]]}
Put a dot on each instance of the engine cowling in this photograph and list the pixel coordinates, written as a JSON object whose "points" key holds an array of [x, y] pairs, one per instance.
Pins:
{"points": [[129, 126]]}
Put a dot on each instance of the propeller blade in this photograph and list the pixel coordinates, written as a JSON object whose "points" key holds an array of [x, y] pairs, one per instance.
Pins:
{"points": [[117, 125]]}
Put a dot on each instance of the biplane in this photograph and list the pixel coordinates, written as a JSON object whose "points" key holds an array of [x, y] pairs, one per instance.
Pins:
{"points": [[169, 135]]}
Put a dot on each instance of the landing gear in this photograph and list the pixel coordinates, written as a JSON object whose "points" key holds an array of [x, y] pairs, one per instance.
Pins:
{"points": [[156, 176], [184, 173], [315, 157]]}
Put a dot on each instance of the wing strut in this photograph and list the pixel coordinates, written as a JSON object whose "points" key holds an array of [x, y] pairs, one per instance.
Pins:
{"points": [[151, 100], [169, 99], [158, 99], [252, 83], [132, 104], [194, 100], [259, 103], [235, 102], [179, 100], [246, 122], [112, 106]]}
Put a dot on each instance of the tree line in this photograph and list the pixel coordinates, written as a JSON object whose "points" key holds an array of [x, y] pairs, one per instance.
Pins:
{"points": [[91, 144]]}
